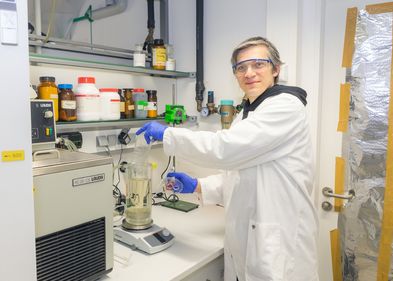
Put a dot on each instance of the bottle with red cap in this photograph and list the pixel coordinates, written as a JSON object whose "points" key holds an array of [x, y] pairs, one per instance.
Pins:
{"points": [[87, 100], [110, 104]]}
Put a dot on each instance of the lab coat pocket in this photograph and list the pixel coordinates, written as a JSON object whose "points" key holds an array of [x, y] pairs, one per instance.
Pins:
{"points": [[265, 260]]}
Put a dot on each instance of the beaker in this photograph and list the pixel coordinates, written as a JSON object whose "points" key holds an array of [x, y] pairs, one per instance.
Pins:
{"points": [[138, 196]]}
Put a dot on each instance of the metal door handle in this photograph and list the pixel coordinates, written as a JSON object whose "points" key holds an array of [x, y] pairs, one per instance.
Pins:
{"points": [[328, 192]]}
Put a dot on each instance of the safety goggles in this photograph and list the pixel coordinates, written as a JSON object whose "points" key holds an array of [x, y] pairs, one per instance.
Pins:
{"points": [[255, 64]]}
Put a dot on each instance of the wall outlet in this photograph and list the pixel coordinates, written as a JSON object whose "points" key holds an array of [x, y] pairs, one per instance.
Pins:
{"points": [[112, 140], [102, 141]]}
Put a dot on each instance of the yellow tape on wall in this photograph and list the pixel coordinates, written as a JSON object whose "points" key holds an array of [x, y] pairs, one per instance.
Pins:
{"points": [[349, 40], [380, 8], [343, 118], [339, 183], [385, 243], [336, 255]]}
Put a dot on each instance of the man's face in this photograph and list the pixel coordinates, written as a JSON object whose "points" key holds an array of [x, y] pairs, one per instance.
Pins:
{"points": [[254, 76]]}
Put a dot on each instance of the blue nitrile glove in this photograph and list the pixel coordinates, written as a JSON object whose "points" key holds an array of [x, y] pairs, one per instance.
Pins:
{"points": [[189, 183], [153, 131]]}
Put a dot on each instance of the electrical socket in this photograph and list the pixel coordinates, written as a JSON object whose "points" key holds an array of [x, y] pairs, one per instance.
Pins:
{"points": [[112, 140], [102, 141]]}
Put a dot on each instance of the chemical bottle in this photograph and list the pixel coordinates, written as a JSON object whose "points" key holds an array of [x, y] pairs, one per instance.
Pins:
{"points": [[47, 90], [140, 100], [110, 104], [139, 56], [170, 63], [87, 100], [129, 104], [159, 54], [122, 104], [67, 103], [151, 103]]}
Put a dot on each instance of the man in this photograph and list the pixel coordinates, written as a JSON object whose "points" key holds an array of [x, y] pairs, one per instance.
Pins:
{"points": [[271, 228]]}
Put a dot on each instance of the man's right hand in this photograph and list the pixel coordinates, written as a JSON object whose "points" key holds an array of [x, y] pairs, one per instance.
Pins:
{"points": [[189, 183]]}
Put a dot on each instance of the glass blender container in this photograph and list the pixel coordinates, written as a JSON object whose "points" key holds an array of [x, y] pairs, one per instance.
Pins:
{"points": [[138, 196]]}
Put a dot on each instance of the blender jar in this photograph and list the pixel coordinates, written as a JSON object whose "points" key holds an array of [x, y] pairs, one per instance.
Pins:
{"points": [[138, 196]]}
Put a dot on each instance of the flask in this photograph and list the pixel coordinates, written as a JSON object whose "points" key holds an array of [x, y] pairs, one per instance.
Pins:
{"points": [[140, 100], [151, 103], [159, 54], [87, 100], [129, 104], [110, 104], [47, 90], [67, 103]]}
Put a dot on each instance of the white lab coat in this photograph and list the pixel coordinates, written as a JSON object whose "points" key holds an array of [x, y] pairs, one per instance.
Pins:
{"points": [[271, 223]]}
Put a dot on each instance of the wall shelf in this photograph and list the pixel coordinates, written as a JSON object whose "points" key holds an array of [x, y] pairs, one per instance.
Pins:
{"points": [[46, 59], [65, 127]]}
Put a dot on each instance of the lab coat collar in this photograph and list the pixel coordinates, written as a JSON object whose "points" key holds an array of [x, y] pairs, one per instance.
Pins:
{"points": [[273, 91]]}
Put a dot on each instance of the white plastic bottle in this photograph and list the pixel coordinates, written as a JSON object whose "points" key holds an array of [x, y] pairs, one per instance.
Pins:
{"points": [[87, 100], [139, 56], [110, 104]]}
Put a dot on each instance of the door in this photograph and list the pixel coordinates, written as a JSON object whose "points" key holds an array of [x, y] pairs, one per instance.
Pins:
{"points": [[330, 141]]}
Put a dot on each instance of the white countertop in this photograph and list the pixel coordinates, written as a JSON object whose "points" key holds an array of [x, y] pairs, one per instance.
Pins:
{"points": [[199, 237]]}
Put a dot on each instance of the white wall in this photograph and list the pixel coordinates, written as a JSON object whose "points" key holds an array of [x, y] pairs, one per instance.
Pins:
{"points": [[17, 244]]}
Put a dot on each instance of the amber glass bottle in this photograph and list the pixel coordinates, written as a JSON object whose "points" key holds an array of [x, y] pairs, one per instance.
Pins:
{"points": [[129, 104], [159, 54], [151, 103], [67, 103]]}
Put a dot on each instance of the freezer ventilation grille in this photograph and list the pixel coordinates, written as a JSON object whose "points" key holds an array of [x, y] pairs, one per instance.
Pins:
{"points": [[72, 254]]}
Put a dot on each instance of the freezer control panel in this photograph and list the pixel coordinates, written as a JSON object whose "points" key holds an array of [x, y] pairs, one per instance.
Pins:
{"points": [[43, 126]]}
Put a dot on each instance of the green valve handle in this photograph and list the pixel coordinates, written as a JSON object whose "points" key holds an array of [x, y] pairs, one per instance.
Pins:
{"points": [[87, 16]]}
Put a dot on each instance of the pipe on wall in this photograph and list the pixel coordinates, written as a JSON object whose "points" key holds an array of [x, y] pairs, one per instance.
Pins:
{"points": [[199, 86]]}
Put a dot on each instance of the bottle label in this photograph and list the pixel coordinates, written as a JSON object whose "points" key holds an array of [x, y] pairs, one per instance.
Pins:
{"points": [[141, 105], [88, 103], [122, 106], [68, 104], [159, 57], [131, 107], [114, 108], [46, 93], [139, 59], [151, 105]]}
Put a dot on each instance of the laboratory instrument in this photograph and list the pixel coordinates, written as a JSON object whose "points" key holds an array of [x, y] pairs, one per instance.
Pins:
{"points": [[175, 114], [72, 205], [137, 229]]}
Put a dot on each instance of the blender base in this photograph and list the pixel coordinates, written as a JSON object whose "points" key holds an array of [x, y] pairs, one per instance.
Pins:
{"points": [[150, 240], [128, 226]]}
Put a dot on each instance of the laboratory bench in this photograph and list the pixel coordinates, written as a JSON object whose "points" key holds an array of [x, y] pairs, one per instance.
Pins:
{"points": [[197, 253]]}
